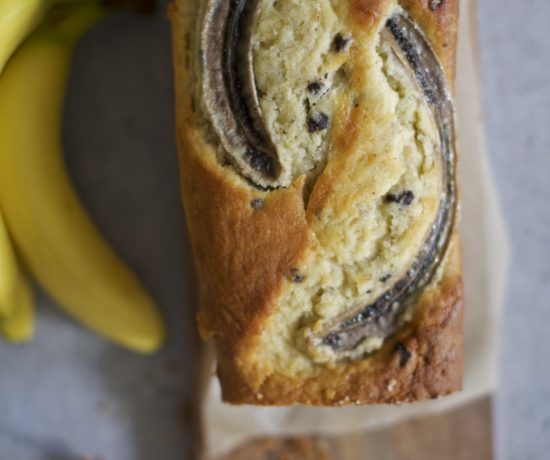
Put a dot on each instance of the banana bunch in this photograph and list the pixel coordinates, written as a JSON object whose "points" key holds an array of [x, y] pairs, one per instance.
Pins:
{"points": [[43, 225]]}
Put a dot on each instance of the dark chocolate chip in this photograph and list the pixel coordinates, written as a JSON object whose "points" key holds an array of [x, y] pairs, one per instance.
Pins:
{"points": [[317, 122], [404, 354], [391, 198], [257, 203], [340, 43], [260, 93], [296, 276], [405, 198], [385, 278], [314, 87]]}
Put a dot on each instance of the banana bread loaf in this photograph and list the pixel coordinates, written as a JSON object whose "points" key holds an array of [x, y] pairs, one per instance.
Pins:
{"points": [[317, 154]]}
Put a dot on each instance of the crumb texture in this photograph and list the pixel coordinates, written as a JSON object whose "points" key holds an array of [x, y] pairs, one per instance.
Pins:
{"points": [[299, 76]]}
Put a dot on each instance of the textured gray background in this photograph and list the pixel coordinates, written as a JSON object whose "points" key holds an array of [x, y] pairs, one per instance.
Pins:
{"points": [[119, 142], [515, 56]]}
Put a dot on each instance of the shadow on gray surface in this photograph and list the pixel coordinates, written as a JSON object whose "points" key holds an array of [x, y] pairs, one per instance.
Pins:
{"points": [[25, 446], [119, 139]]}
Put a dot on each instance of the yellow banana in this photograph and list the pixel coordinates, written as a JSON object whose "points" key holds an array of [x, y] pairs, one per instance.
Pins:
{"points": [[16, 297], [19, 327], [17, 19], [53, 233]]}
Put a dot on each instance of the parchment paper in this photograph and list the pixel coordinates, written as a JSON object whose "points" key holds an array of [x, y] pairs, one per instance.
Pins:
{"points": [[485, 257]]}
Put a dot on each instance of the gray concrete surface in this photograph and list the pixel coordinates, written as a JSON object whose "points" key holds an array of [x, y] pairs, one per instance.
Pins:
{"points": [[515, 57]]}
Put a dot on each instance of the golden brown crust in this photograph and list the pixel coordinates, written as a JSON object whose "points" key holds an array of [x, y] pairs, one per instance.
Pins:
{"points": [[245, 243]]}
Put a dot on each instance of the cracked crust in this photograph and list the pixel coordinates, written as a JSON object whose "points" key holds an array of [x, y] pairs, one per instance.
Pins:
{"points": [[247, 242]]}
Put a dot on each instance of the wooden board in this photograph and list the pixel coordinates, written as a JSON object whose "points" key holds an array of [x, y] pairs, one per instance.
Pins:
{"points": [[461, 434]]}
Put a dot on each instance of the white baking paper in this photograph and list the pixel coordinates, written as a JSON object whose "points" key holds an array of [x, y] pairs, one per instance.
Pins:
{"points": [[485, 257]]}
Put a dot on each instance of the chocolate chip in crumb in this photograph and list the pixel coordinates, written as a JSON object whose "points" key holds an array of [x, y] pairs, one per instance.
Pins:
{"points": [[340, 43], [385, 278], [296, 276], [314, 87], [257, 203], [404, 354], [391, 198], [317, 122], [405, 198]]}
